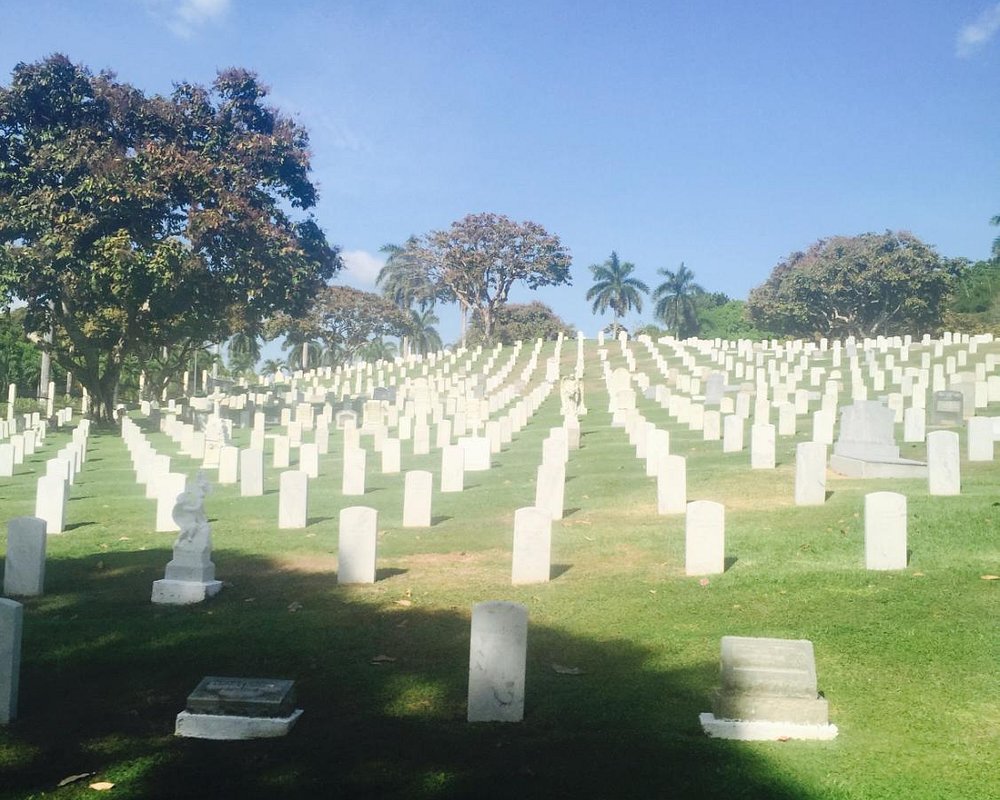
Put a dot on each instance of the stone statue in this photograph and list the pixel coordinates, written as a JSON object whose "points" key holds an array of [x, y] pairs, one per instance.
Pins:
{"points": [[571, 396], [189, 514]]}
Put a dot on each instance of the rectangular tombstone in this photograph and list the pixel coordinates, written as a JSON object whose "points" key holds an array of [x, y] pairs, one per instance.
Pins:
{"points": [[657, 446], [421, 438], [357, 545], [705, 538], [259, 698], [532, 553], [885, 531], [309, 459], [824, 420], [555, 447], [6, 460], [671, 485], [550, 488], [477, 453], [418, 487], [282, 452], [786, 420], [732, 433], [353, 481], [770, 686], [24, 567], [979, 438], [443, 435], [762, 446], [810, 474], [50, 502], [914, 424], [391, 456], [452, 468], [229, 465], [293, 499], [943, 463], [712, 426], [11, 620], [498, 651], [251, 473]]}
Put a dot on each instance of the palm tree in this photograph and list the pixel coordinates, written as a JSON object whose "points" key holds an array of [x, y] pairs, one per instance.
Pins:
{"points": [[244, 350], [996, 242], [377, 349], [675, 301], [615, 288], [271, 367], [423, 334]]}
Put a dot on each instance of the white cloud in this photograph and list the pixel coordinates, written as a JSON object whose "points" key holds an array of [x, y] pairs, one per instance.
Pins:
{"points": [[361, 267], [187, 17], [978, 34]]}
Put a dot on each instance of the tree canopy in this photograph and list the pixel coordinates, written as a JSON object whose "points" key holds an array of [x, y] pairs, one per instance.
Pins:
{"points": [[889, 283], [343, 320], [480, 257], [616, 288], [524, 321], [129, 223]]}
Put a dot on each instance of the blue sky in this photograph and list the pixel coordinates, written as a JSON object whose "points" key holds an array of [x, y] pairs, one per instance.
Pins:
{"points": [[722, 134]]}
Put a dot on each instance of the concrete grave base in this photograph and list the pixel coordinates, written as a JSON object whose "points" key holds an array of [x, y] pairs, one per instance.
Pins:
{"points": [[229, 727], [763, 730], [895, 468], [182, 593]]}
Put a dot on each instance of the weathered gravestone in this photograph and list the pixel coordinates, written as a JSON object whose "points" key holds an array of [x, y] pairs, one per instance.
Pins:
{"points": [[947, 409], [885, 531], [239, 708], [768, 691], [866, 447], [944, 475], [705, 538], [498, 651], [11, 620]]}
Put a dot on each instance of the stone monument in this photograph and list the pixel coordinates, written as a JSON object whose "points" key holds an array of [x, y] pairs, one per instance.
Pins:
{"points": [[866, 447], [239, 708], [190, 576], [768, 691]]}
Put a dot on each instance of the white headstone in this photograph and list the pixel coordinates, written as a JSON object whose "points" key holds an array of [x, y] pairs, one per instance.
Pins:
{"points": [[417, 492], [979, 435], [762, 446], [293, 499], [24, 566], [671, 485], [353, 482], [251, 473], [943, 464], [550, 488], [705, 538], [497, 659], [885, 530], [531, 561], [452, 468], [810, 474], [50, 502], [309, 459], [357, 545], [169, 488], [229, 464]]}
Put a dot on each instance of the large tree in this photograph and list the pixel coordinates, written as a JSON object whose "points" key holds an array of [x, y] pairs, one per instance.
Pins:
{"points": [[131, 222], [522, 321], [343, 320], [876, 283], [480, 257], [676, 301], [616, 288]]}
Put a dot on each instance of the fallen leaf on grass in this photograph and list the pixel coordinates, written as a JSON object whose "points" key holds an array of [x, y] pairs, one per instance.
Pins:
{"points": [[703, 582], [102, 786], [404, 603], [294, 606], [124, 539], [75, 778], [589, 538], [784, 738], [382, 660], [310, 535], [561, 670], [991, 577]]}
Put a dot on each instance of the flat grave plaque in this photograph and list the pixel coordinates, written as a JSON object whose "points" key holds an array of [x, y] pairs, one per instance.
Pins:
{"points": [[243, 697]]}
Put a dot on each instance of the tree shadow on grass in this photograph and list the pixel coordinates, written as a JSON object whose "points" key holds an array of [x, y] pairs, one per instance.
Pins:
{"points": [[105, 672]]}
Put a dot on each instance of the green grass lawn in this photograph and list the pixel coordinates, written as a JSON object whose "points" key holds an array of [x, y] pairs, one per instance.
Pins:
{"points": [[908, 659]]}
